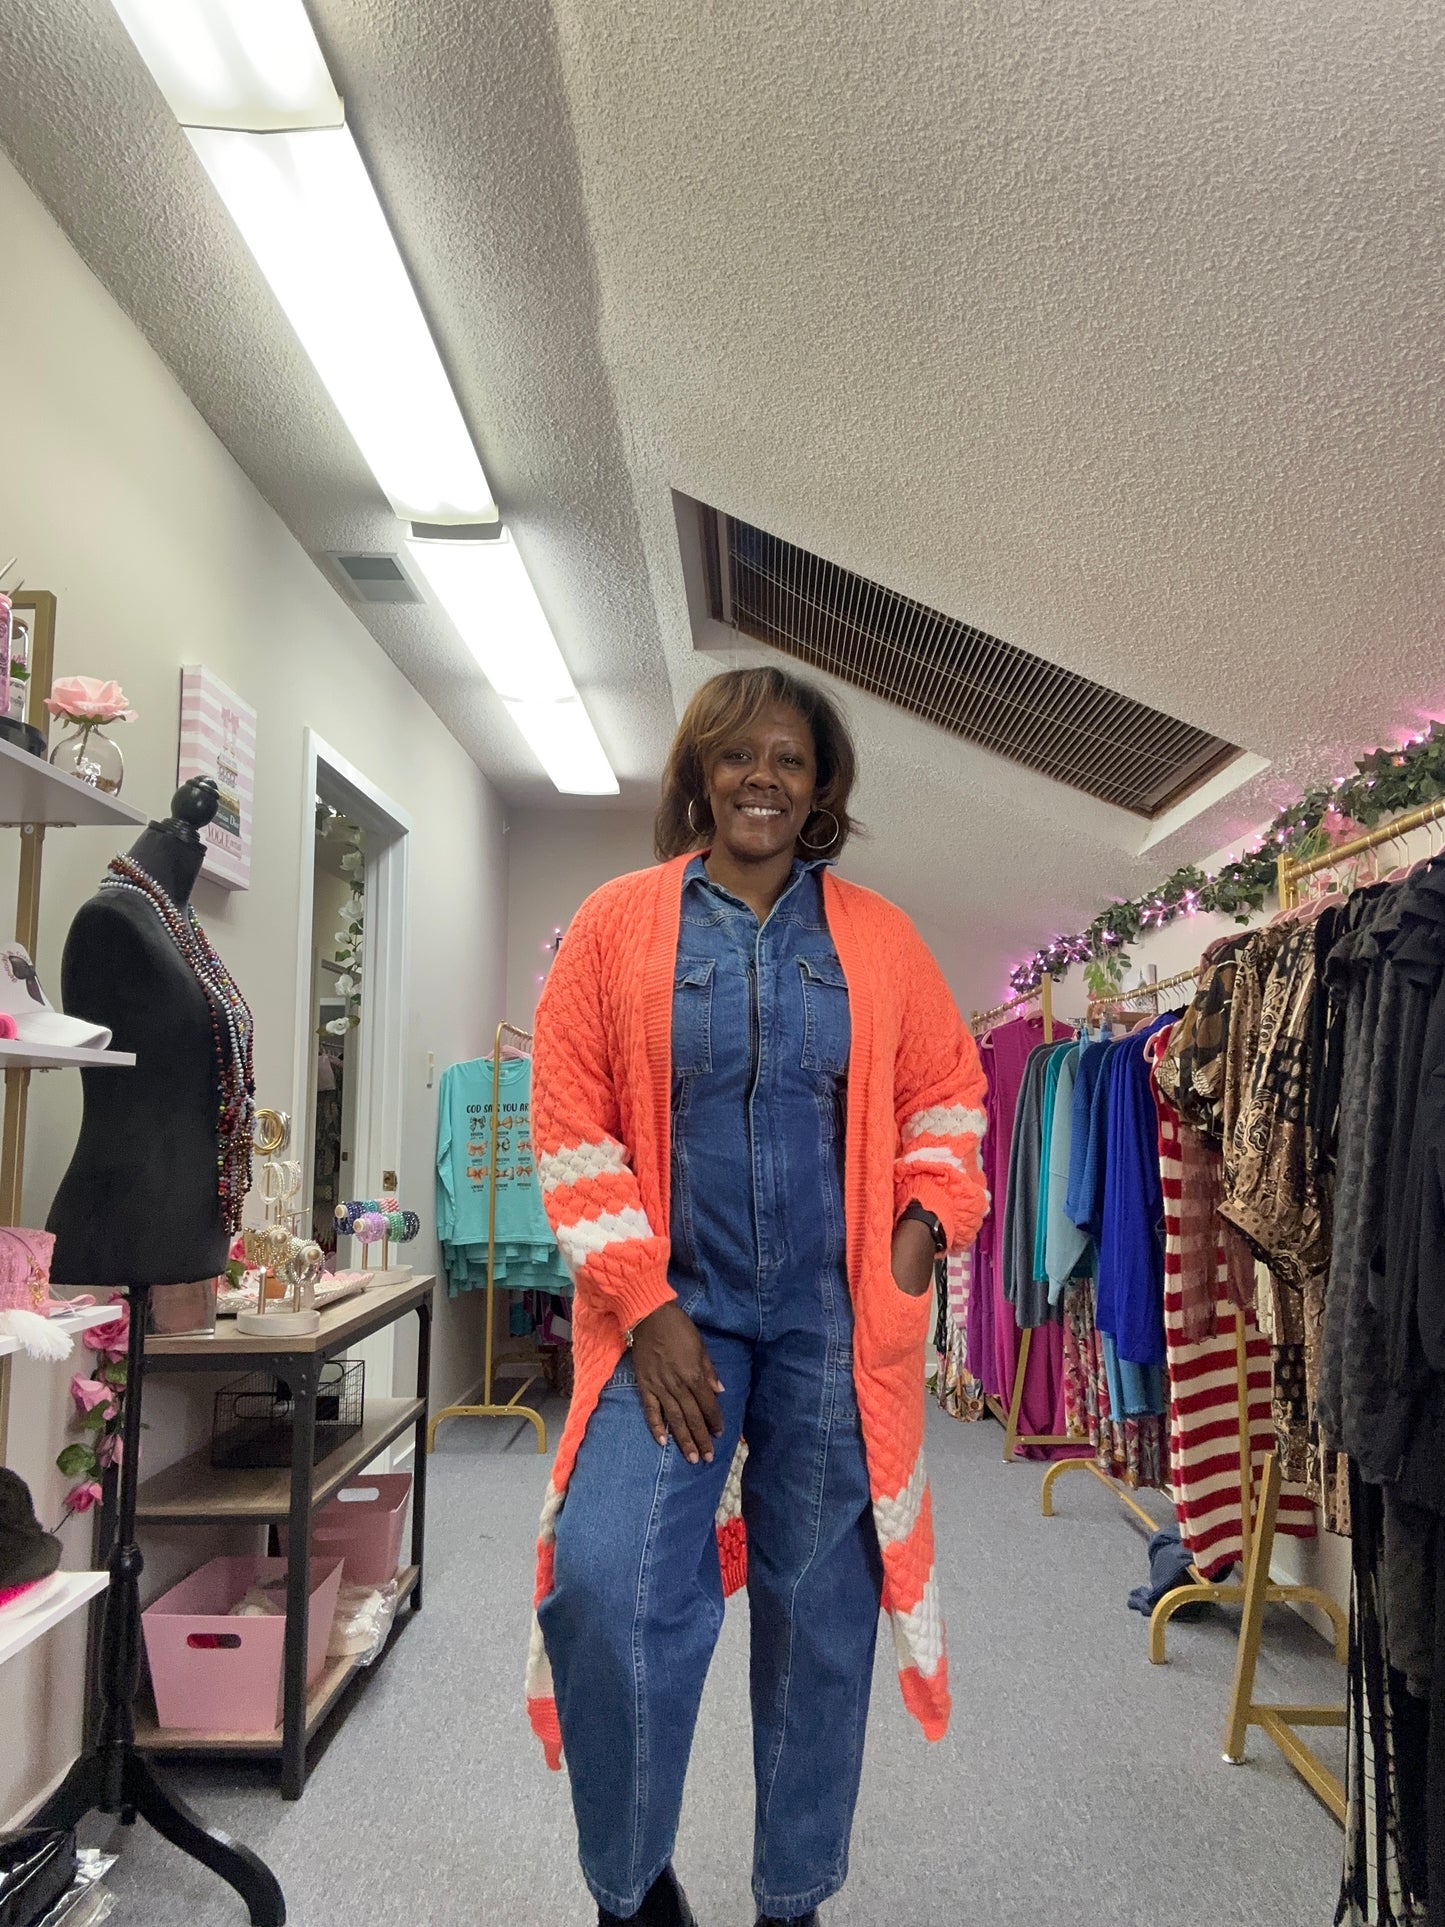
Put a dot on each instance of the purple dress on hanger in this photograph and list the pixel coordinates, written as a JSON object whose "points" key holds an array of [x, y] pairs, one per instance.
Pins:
{"points": [[992, 1336]]}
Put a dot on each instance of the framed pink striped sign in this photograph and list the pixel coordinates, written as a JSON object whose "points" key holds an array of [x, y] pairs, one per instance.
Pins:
{"points": [[218, 738]]}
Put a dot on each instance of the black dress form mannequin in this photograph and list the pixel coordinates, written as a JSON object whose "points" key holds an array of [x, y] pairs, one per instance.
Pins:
{"points": [[139, 1204], [140, 1207]]}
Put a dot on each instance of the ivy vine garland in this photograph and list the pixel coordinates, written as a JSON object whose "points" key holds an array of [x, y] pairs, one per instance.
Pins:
{"points": [[1386, 783]]}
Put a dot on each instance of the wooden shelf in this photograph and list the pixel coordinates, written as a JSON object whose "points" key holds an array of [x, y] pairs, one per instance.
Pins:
{"points": [[32, 792], [339, 1322], [72, 1322], [319, 1702], [195, 1492], [15, 1056], [19, 1628]]}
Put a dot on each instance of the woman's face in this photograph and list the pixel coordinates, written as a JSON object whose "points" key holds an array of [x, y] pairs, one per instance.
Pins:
{"points": [[761, 785]]}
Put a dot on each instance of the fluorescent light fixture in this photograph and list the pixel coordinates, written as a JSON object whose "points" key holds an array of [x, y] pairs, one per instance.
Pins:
{"points": [[561, 737], [307, 211], [247, 81], [485, 591], [251, 64]]}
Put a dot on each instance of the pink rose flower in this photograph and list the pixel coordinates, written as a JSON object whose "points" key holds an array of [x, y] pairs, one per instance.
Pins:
{"points": [[110, 1339], [83, 1497], [89, 1392], [86, 699], [237, 1253], [111, 1449]]}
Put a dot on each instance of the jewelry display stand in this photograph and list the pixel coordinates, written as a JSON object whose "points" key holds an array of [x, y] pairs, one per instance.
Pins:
{"points": [[111, 1776]]}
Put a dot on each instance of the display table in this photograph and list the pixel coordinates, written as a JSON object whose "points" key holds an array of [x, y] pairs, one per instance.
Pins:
{"points": [[193, 1492]]}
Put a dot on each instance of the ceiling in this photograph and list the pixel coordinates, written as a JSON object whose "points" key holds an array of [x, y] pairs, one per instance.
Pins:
{"points": [[1112, 331]]}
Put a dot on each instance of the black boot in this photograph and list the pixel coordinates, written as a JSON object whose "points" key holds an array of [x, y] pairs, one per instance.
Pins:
{"points": [[665, 1905], [809, 1919]]}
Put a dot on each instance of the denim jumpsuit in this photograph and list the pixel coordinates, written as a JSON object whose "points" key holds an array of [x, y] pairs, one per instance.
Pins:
{"points": [[760, 1042]]}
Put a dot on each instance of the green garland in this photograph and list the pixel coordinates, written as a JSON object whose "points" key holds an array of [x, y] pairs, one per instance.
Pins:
{"points": [[1386, 783]]}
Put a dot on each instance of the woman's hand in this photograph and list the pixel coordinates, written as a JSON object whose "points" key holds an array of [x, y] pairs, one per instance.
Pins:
{"points": [[913, 1256], [676, 1382]]}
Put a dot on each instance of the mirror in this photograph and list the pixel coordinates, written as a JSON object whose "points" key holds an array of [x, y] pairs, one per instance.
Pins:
{"points": [[338, 958]]}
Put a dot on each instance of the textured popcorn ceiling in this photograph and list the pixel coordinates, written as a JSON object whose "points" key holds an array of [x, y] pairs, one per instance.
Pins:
{"points": [[1115, 331]]}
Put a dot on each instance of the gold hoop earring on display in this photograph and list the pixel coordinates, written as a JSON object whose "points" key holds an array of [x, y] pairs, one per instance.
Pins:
{"points": [[691, 805], [828, 840]]}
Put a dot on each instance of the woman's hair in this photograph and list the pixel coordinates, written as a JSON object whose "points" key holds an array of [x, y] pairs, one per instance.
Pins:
{"points": [[722, 707]]}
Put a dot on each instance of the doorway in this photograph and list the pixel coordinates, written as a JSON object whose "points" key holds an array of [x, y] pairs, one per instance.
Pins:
{"points": [[351, 1018]]}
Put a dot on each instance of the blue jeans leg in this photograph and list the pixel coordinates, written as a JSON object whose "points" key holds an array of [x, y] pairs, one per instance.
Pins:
{"points": [[630, 1627], [814, 1585]]}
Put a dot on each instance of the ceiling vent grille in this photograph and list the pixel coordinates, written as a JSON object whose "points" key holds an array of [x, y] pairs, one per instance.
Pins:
{"points": [[373, 578], [952, 674]]}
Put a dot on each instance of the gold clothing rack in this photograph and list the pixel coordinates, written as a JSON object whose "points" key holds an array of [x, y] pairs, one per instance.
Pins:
{"points": [[1043, 995], [1278, 1723], [1200, 1589], [528, 1363], [1292, 874], [1175, 982]]}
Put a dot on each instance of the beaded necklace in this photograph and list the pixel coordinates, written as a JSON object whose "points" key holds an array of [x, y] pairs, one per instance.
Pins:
{"points": [[232, 1033]]}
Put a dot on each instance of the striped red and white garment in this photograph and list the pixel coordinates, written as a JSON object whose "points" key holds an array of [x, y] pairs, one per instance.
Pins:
{"points": [[1204, 1414]]}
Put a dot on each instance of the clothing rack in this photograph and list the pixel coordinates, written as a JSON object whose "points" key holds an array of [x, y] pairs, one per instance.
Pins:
{"points": [[528, 1363], [1056, 1471], [1008, 1417], [1179, 978], [1278, 1723], [1201, 1590], [1043, 994]]}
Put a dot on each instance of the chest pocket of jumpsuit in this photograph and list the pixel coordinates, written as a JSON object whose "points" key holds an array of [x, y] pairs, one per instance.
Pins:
{"points": [[692, 1019], [827, 1031]]}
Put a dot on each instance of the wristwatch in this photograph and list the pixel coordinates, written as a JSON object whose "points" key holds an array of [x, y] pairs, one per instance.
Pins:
{"points": [[925, 1216]]}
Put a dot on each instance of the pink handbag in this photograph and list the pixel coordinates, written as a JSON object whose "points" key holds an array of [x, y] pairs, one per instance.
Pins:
{"points": [[25, 1300]]}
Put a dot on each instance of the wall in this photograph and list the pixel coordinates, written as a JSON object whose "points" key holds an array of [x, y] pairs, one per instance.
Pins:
{"points": [[116, 495], [554, 862]]}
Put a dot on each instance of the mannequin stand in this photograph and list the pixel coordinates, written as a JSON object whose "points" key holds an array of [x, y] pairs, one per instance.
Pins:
{"points": [[111, 1776]]}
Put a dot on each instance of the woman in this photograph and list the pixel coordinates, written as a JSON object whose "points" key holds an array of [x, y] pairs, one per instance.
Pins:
{"points": [[757, 1117]]}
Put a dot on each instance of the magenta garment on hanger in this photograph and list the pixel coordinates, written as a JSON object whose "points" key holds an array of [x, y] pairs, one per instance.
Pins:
{"points": [[992, 1336]]}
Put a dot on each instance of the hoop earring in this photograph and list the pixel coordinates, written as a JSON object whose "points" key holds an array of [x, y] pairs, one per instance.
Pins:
{"points": [[827, 840], [691, 804]]}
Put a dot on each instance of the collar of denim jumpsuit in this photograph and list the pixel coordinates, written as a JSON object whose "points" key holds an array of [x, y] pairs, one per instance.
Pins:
{"points": [[696, 879]]}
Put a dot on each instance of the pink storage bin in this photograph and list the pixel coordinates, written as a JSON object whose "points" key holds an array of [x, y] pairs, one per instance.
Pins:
{"points": [[234, 1687], [362, 1526]]}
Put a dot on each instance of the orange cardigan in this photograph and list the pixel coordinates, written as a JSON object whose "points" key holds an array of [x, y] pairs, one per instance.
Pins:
{"points": [[601, 1121]]}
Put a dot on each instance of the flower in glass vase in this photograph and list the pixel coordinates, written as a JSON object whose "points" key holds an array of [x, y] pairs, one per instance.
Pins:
{"points": [[89, 706]]}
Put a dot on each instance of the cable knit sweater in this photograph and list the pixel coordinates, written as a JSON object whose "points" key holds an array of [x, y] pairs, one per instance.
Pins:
{"points": [[601, 1114]]}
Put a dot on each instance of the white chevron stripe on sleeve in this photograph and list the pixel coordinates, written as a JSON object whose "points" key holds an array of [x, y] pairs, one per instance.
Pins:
{"points": [[937, 1154], [918, 1635], [895, 1518], [575, 1163], [945, 1120], [588, 1236]]}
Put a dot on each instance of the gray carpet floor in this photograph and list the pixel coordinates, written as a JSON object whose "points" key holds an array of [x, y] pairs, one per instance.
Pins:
{"points": [[1078, 1784]]}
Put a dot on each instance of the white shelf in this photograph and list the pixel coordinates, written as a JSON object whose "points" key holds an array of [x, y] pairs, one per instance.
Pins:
{"points": [[19, 1628], [73, 1322], [32, 792], [59, 1057]]}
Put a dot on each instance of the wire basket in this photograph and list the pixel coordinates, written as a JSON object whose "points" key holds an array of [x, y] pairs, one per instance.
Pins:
{"points": [[253, 1416]]}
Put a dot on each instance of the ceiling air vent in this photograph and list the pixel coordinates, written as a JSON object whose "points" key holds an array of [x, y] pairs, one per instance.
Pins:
{"points": [[952, 674], [374, 578]]}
